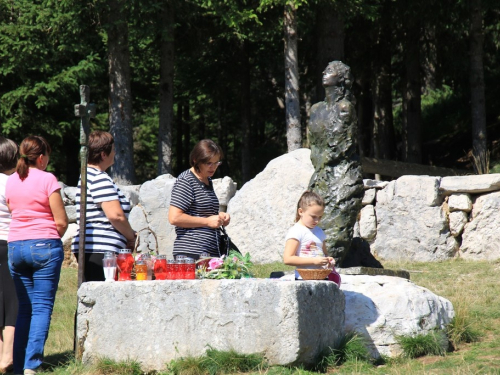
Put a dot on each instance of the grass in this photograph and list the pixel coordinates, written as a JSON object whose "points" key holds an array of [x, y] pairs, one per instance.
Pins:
{"points": [[472, 287], [217, 362], [351, 348], [419, 345]]}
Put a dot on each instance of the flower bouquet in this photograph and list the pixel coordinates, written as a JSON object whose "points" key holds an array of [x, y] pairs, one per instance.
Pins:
{"points": [[232, 266]]}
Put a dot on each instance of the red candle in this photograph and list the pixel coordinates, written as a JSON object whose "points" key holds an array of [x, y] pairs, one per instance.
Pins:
{"points": [[170, 269], [182, 269], [160, 268], [125, 263], [190, 268], [176, 270]]}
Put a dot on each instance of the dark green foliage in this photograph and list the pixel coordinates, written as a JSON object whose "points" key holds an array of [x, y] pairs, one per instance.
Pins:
{"points": [[218, 362], [48, 48], [460, 330], [351, 347], [106, 366], [432, 343]]}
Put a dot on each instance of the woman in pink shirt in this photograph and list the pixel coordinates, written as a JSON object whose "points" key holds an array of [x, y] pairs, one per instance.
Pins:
{"points": [[35, 249]]}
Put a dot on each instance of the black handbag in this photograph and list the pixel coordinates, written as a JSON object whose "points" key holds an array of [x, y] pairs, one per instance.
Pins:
{"points": [[225, 243]]}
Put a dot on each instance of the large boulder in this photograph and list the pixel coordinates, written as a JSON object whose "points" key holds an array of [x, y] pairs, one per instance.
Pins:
{"points": [[67, 239], [225, 189], [380, 308], [411, 222], [481, 237], [151, 214], [264, 209], [131, 192], [155, 322]]}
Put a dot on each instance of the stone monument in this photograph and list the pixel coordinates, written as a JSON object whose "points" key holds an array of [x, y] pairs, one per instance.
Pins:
{"points": [[337, 169]]}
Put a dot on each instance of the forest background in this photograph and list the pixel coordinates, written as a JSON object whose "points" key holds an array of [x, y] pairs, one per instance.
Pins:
{"points": [[165, 74]]}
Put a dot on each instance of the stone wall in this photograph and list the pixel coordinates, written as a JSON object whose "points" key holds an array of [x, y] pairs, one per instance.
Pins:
{"points": [[417, 218], [424, 218]]}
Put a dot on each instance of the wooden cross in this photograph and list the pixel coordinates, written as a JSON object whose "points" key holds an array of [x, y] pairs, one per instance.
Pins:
{"points": [[85, 111]]}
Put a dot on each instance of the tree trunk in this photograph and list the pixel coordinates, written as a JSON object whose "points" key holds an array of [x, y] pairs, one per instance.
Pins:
{"points": [[364, 113], [186, 130], [245, 102], [179, 150], [478, 109], [329, 42], [292, 98], [383, 128], [412, 116], [431, 60], [202, 126], [166, 116], [120, 97], [222, 135]]}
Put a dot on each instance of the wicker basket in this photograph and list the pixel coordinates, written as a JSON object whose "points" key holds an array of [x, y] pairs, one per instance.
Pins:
{"points": [[313, 274]]}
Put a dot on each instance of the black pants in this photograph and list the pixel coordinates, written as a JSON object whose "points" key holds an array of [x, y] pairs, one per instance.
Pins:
{"points": [[8, 296], [93, 267]]}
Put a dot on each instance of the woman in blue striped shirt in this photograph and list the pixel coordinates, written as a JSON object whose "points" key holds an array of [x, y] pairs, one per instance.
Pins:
{"points": [[106, 226], [194, 207]]}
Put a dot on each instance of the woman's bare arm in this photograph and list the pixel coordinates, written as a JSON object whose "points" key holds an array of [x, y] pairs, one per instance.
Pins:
{"points": [[58, 211], [114, 212]]}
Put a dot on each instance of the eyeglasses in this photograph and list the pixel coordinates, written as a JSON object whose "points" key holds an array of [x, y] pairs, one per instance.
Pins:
{"points": [[216, 164]]}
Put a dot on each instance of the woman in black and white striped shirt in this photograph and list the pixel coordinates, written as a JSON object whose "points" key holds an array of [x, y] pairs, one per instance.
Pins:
{"points": [[106, 226], [194, 207]]}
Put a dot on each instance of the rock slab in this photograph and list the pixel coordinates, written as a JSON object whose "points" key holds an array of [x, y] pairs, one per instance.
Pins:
{"points": [[154, 322], [481, 237], [411, 221], [380, 308], [264, 209]]}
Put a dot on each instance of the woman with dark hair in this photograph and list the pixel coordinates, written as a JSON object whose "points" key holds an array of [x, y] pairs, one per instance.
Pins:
{"points": [[106, 227], [35, 249], [8, 299], [194, 207]]}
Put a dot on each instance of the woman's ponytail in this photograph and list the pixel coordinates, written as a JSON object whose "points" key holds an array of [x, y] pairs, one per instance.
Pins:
{"points": [[31, 148]]}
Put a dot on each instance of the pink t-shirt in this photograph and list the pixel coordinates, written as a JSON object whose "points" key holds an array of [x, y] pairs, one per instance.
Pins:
{"points": [[28, 200]]}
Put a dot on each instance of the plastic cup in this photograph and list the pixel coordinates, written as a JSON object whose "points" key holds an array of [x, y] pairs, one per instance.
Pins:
{"points": [[109, 266]]}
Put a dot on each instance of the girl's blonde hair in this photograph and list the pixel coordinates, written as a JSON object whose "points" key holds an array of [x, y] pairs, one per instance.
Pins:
{"points": [[307, 199]]}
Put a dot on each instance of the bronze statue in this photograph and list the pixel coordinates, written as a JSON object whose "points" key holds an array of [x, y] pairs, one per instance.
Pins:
{"points": [[337, 170]]}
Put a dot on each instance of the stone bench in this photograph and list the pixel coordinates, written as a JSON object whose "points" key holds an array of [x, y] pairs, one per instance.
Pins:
{"points": [[153, 322]]}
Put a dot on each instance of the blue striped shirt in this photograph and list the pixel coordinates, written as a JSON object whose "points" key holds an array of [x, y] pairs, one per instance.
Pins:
{"points": [[100, 235], [195, 198]]}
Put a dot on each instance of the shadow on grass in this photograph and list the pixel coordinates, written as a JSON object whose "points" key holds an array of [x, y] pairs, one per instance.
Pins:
{"points": [[62, 359]]}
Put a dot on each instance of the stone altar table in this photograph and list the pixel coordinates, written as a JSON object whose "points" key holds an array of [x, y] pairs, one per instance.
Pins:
{"points": [[153, 322]]}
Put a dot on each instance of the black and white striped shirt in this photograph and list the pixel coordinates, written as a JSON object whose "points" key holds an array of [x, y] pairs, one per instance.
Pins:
{"points": [[100, 235], [195, 198]]}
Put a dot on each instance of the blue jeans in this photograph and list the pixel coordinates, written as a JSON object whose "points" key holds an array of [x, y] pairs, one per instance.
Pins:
{"points": [[35, 266]]}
